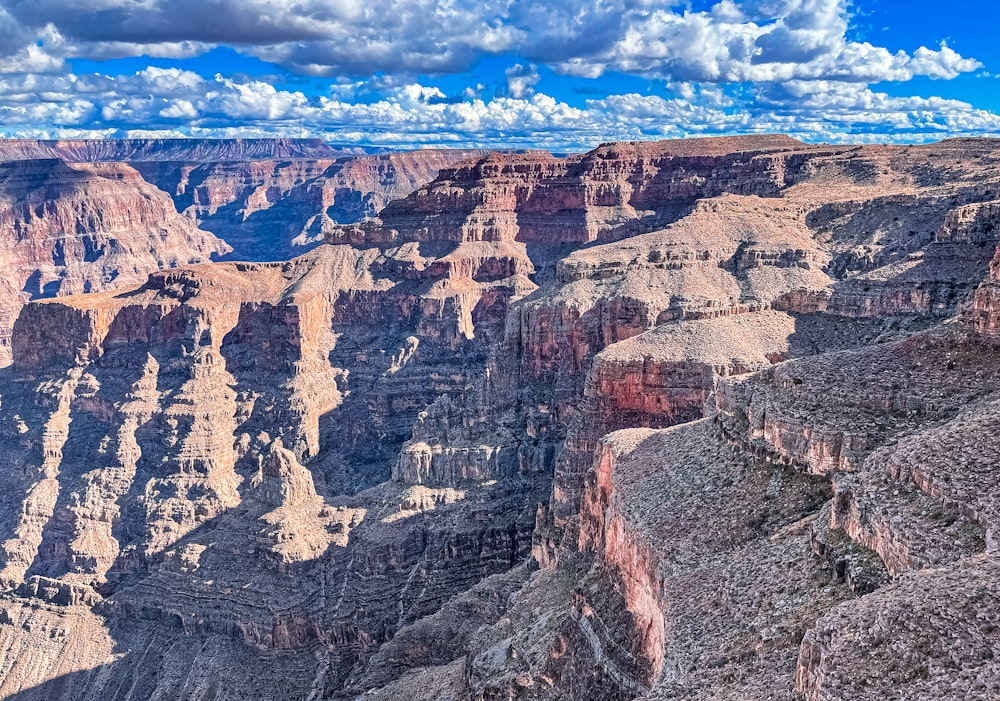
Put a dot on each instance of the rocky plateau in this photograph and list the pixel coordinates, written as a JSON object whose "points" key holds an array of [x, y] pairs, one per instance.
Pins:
{"points": [[700, 419]]}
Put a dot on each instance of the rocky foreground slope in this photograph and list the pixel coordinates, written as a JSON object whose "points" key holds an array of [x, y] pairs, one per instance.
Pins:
{"points": [[700, 419]]}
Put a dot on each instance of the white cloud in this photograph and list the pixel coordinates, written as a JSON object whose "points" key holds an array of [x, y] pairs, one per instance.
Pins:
{"points": [[728, 11], [752, 40], [35, 56], [740, 65], [30, 59], [170, 101], [803, 40], [252, 101], [521, 80], [171, 81], [180, 110]]}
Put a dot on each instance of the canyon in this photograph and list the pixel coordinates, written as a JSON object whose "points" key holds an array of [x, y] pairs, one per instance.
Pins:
{"points": [[699, 419], [81, 216]]}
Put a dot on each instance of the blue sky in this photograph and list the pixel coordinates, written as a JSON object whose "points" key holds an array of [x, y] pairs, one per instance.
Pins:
{"points": [[554, 74]]}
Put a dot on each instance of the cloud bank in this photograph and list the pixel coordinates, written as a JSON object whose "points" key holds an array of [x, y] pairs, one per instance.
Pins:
{"points": [[755, 65]]}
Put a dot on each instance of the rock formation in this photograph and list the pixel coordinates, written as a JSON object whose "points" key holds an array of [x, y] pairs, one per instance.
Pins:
{"points": [[274, 208], [700, 419], [153, 150], [71, 228], [688, 582], [87, 215]]}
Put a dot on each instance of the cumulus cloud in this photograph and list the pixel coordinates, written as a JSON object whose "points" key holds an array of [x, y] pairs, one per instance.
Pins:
{"points": [[521, 80], [30, 59], [179, 110], [732, 41], [803, 40], [176, 102]]}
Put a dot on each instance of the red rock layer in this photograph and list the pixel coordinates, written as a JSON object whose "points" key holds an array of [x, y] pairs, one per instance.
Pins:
{"points": [[322, 461], [66, 229], [900, 258]]}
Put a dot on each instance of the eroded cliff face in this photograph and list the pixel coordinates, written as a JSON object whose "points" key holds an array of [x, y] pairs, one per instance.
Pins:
{"points": [[90, 215], [685, 589], [731, 285], [70, 228], [671, 420], [276, 207], [209, 454]]}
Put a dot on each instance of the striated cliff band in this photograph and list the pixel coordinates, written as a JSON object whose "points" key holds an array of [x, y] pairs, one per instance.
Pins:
{"points": [[82, 216], [706, 419]]}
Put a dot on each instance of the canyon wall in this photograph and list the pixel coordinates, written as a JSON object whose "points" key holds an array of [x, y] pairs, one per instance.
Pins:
{"points": [[82, 216], [275, 207], [664, 420], [68, 228], [191, 150], [736, 556], [881, 261]]}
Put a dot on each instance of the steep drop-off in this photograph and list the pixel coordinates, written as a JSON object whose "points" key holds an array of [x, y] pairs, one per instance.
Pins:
{"points": [[699, 419]]}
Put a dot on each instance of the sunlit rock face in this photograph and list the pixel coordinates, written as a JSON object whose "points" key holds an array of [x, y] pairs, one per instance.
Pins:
{"points": [[71, 228], [701, 419]]}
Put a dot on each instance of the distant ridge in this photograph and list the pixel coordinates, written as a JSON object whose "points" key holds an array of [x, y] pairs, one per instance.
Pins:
{"points": [[209, 150]]}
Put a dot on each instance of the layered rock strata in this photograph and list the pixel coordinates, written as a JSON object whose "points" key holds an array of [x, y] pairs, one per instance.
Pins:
{"points": [[88, 215], [67, 229], [285, 487], [244, 419], [139, 150], [893, 263], [275, 207]]}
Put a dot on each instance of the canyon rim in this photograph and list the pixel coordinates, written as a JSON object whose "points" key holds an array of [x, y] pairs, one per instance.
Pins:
{"points": [[521, 350], [708, 418]]}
